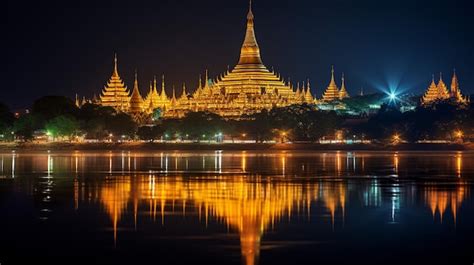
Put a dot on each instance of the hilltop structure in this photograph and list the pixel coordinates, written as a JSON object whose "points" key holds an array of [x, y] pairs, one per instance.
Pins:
{"points": [[332, 92], [439, 92]]}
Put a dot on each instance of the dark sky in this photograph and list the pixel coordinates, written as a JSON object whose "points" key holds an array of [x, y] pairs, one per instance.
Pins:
{"points": [[67, 47]]}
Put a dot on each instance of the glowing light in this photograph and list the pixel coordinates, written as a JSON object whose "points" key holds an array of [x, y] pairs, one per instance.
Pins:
{"points": [[396, 138], [392, 96]]}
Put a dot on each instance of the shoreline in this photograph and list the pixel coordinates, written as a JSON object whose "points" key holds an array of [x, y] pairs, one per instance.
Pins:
{"points": [[39, 147]]}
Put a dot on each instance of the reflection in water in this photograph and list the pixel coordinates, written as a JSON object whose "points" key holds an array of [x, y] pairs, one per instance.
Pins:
{"points": [[440, 200], [248, 207], [246, 192]]}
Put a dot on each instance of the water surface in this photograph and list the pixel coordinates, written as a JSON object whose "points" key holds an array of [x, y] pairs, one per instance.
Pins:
{"points": [[228, 207]]}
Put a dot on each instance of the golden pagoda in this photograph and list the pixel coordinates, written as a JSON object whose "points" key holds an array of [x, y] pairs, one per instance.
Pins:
{"points": [[455, 90], [156, 100], [437, 92], [432, 93], [343, 92], [332, 91], [442, 89], [249, 87], [308, 97], [115, 93], [136, 100]]}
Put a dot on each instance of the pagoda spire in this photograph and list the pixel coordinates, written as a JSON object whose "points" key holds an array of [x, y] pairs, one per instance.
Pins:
{"points": [[115, 65], [442, 89], [135, 84], [163, 91], [136, 100], [308, 95], [454, 84], [343, 92], [332, 91], [250, 52], [184, 94], [154, 84], [173, 99], [332, 75]]}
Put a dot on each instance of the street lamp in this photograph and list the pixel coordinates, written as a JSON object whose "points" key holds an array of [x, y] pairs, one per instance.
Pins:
{"points": [[283, 135], [396, 138], [459, 134]]}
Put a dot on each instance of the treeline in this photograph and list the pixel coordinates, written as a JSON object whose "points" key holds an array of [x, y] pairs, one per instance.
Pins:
{"points": [[441, 121], [61, 119]]}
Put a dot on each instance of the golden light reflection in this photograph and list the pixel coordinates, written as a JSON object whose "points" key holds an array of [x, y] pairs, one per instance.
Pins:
{"points": [[458, 165], [396, 161], [247, 207], [440, 200]]}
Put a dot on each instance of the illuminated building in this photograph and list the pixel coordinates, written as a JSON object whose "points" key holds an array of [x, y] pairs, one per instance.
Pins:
{"points": [[248, 88], [115, 94], [136, 100], [332, 92], [438, 92]]}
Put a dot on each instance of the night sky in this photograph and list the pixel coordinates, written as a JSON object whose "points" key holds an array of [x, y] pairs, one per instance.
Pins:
{"points": [[66, 48]]}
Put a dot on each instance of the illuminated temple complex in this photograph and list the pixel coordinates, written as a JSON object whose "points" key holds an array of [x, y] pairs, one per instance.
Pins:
{"points": [[248, 88], [439, 92]]}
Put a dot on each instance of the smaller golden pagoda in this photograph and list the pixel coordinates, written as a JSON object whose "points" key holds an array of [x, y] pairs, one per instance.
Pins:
{"points": [[155, 100], [332, 91], [308, 97], [437, 92], [442, 88], [115, 94], [455, 90], [136, 100], [343, 92]]}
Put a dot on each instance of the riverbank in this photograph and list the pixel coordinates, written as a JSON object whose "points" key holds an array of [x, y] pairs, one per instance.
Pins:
{"points": [[33, 147]]}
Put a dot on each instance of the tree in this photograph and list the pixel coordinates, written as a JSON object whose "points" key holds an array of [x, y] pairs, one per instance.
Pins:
{"points": [[6, 122], [120, 125], [50, 107], [25, 126], [62, 126], [201, 125]]}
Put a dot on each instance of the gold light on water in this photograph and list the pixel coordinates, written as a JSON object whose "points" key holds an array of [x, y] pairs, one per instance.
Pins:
{"points": [[247, 207]]}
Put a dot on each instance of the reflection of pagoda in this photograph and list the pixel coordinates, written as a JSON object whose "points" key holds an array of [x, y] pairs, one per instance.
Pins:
{"points": [[244, 206], [440, 200]]}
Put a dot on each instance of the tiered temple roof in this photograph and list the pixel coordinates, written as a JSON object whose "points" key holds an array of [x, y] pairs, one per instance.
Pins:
{"points": [[442, 88], [343, 92], [247, 88], [115, 94], [136, 100], [436, 92], [332, 91], [156, 100]]}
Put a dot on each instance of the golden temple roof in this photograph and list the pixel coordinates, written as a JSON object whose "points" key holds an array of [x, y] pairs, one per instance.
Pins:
{"points": [[343, 92], [332, 91], [440, 91], [115, 93], [136, 100]]}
